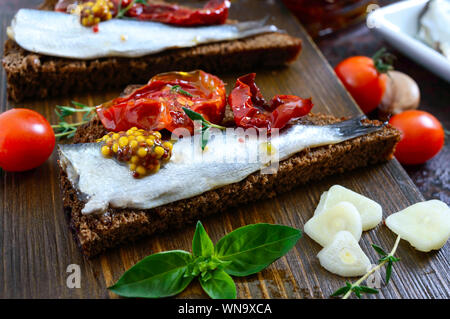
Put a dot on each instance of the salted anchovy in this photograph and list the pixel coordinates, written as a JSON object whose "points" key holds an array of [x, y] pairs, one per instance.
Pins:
{"points": [[228, 159], [62, 35]]}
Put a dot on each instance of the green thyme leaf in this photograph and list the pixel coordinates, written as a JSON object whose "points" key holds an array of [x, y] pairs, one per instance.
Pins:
{"points": [[388, 271], [206, 125], [178, 89], [368, 290], [357, 291], [341, 291], [379, 250], [67, 130]]}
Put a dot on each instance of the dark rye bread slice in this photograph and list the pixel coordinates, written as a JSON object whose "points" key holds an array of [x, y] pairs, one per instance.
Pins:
{"points": [[95, 233], [34, 75]]}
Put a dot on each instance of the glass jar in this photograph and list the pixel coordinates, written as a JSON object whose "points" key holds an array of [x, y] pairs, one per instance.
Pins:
{"points": [[321, 17]]}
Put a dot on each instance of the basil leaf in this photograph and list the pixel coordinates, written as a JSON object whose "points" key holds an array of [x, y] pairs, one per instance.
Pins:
{"points": [[252, 248], [155, 276], [219, 285], [201, 243]]}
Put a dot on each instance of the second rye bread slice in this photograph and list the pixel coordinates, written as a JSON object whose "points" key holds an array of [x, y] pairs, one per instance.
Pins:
{"points": [[96, 233], [35, 75]]}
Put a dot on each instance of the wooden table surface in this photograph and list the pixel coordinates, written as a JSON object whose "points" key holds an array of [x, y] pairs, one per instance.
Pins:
{"points": [[37, 245]]}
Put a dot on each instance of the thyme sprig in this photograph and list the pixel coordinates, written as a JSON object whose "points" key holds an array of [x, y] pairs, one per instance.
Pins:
{"points": [[67, 130], [357, 288], [121, 12], [206, 125], [178, 89]]}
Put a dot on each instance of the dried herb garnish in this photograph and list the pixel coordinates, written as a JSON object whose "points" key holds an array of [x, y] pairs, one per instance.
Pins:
{"points": [[67, 130], [206, 125], [359, 289]]}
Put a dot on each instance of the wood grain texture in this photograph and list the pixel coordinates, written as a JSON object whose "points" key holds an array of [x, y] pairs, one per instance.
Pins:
{"points": [[36, 244]]}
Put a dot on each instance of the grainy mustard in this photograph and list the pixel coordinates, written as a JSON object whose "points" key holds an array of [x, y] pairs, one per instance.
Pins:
{"points": [[143, 151], [93, 12]]}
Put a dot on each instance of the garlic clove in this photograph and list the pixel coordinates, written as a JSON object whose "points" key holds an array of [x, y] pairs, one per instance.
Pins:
{"points": [[370, 211], [324, 226], [425, 225], [402, 93], [343, 256]]}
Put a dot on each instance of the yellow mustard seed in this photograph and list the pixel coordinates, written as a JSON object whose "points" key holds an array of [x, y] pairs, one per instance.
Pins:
{"points": [[140, 138], [138, 133], [152, 137], [115, 147], [156, 168], [131, 137], [105, 150], [132, 167], [149, 142], [159, 151], [134, 159], [133, 144], [157, 134], [168, 145], [116, 136], [142, 152], [141, 170], [84, 21], [123, 141]]}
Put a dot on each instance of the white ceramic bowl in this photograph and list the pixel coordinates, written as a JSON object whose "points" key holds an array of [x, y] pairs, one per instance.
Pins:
{"points": [[398, 23]]}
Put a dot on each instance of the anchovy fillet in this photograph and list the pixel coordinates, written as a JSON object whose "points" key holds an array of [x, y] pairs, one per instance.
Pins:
{"points": [[62, 35], [228, 158]]}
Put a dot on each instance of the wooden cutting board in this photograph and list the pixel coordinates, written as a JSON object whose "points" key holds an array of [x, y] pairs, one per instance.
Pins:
{"points": [[37, 246]]}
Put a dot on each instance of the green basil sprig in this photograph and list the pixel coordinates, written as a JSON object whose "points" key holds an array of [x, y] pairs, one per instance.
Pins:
{"points": [[243, 252]]}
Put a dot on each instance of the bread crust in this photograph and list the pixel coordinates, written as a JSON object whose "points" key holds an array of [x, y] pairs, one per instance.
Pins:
{"points": [[30, 74], [96, 233]]}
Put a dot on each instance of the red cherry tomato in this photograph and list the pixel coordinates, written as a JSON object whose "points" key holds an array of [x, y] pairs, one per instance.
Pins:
{"points": [[26, 140], [422, 136], [363, 81]]}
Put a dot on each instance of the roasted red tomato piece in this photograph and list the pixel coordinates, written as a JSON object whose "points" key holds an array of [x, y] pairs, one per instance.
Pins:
{"points": [[251, 110], [158, 105], [214, 12]]}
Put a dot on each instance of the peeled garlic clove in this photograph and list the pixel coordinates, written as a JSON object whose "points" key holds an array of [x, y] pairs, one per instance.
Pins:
{"points": [[344, 257], [402, 93], [370, 211], [424, 225], [324, 226]]}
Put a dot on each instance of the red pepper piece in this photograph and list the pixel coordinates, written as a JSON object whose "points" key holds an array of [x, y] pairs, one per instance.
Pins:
{"points": [[214, 12], [158, 105], [251, 110]]}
